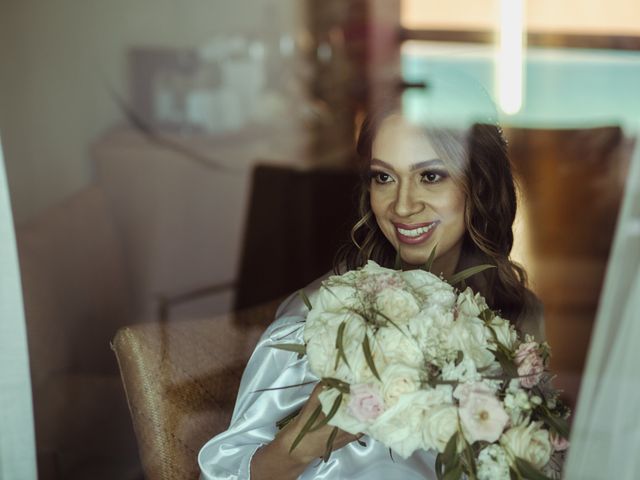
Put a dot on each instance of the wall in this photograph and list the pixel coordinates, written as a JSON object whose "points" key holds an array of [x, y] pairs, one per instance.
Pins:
{"points": [[59, 57]]}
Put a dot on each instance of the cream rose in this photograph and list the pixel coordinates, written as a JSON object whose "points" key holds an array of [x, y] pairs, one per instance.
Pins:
{"points": [[401, 426], [365, 402], [399, 379], [432, 289], [471, 304], [439, 425], [505, 332], [481, 413], [470, 335], [343, 419], [529, 442], [398, 347], [397, 305]]}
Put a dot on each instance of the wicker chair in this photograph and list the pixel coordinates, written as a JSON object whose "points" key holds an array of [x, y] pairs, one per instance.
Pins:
{"points": [[181, 379]]}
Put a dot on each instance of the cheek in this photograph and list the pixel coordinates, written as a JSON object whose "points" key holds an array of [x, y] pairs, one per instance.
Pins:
{"points": [[453, 209], [378, 203]]}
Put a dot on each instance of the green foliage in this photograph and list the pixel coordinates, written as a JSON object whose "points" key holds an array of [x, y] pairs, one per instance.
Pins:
{"points": [[469, 272], [366, 348], [305, 299]]}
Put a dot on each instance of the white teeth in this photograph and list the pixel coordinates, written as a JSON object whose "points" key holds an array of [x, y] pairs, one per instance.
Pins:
{"points": [[416, 231]]}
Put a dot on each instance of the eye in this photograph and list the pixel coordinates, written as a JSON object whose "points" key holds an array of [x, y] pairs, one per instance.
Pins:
{"points": [[381, 177], [433, 177]]}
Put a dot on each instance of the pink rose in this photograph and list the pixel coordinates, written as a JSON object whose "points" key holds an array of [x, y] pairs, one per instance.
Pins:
{"points": [[530, 364], [481, 413], [558, 442], [365, 402]]}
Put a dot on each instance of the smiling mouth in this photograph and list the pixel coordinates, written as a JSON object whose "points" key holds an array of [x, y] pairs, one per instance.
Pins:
{"points": [[413, 234]]}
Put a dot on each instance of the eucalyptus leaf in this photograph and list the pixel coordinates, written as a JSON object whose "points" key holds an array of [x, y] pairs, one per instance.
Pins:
{"points": [[339, 344], [506, 363], [528, 471], [392, 323], [559, 424], [329, 447], [469, 272], [454, 473], [339, 385], [305, 299], [366, 348], [307, 426], [334, 409], [487, 315], [471, 461], [439, 473], [283, 422], [284, 387], [450, 450], [397, 263], [298, 348], [432, 256]]}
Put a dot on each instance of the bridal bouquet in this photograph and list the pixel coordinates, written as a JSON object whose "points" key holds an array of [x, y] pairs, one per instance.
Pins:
{"points": [[416, 364]]}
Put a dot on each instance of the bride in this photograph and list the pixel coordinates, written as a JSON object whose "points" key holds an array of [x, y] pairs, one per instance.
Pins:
{"points": [[423, 186]]}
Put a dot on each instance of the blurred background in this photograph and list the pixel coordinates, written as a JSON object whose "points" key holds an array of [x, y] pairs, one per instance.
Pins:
{"points": [[171, 164]]}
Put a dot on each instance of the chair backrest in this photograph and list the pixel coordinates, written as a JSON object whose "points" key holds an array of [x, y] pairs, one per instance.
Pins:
{"points": [[297, 220], [181, 379]]}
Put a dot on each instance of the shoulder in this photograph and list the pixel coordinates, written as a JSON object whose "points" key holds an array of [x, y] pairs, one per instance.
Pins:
{"points": [[531, 320], [293, 309]]}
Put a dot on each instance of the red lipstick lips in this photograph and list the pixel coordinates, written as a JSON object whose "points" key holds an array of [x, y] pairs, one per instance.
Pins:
{"points": [[406, 233]]}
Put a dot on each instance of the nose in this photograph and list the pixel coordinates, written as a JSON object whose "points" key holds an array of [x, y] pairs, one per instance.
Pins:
{"points": [[407, 202]]}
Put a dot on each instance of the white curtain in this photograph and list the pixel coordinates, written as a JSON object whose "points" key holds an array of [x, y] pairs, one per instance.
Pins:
{"points": [[606, 432], [17, 448]]}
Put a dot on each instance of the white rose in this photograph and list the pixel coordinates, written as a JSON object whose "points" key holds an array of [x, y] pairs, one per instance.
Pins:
{"points": [[397, 305], [398, 379], [529, 442], [431, 329], [353, 335], [321, 354], [493, 464], [342, 419], [441, 422], [320, 338], [336, 295], [432, 289], [373, 268], [471, 304], [400, 427], [464, 372], [505, 332], [322, 323], [398, 347], [470, 335]]}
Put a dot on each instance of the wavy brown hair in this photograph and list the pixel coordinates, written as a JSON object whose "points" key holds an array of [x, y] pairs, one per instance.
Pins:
{"points": [[480, 166]]}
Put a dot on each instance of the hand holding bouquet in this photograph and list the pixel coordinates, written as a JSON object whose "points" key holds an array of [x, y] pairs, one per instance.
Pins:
{"points": [[415, 364]]}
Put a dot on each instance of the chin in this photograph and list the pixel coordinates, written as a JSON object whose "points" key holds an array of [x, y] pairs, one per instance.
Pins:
{"points": [[415, 259]]}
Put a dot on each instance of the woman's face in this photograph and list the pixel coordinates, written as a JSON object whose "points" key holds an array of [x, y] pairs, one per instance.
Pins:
{"points": [[413, 197]]}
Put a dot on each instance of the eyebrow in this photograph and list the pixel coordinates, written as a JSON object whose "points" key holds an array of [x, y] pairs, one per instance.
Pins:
{"points": [[415, 166]]}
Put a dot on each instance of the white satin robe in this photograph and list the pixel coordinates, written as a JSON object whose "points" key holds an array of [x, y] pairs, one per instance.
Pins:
{"points": [[253, 424]]}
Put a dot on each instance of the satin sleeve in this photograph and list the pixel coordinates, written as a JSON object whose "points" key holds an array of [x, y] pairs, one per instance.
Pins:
{"points": [[253, 424]]}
